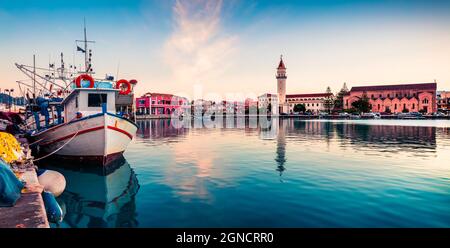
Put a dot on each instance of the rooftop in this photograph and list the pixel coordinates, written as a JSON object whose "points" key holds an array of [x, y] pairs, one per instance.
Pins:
{"points": [[281, 65], [422, 86], [309, 95]]}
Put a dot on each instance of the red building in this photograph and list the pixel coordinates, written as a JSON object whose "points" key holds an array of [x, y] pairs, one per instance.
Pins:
{"points": [[160, 104], [396, 98]]}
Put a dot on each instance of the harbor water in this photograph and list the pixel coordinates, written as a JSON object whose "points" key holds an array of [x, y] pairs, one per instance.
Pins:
{"points": [[297, 173]]}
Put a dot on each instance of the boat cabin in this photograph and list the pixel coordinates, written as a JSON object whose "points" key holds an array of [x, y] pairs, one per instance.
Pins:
{"points": [[83, 102]]}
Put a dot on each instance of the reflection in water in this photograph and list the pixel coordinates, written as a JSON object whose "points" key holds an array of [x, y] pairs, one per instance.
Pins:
{"points": [[97, 198], [384, 138], [321, 173], [160, 128], [362, 137], [281, 146]]}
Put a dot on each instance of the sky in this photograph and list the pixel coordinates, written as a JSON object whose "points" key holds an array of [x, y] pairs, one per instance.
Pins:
{"points": [[221, 47]]}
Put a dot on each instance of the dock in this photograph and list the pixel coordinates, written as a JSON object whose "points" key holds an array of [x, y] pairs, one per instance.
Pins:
{"points": [[29, 211]]}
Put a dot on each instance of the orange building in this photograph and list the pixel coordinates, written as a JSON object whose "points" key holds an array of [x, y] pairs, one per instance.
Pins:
{"points": [[396, 98]]}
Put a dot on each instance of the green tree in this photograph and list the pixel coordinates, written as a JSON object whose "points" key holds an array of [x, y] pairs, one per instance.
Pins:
{"points": [[362, 105], [328, 102], [299, 108], [388, 111], [339, 100]]}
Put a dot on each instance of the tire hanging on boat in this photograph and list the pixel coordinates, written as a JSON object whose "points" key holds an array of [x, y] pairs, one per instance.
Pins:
{"points": [[128, 85], [84, 77]]}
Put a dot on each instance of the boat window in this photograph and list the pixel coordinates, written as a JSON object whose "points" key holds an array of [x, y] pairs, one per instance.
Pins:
{"points": [[96, 100]]}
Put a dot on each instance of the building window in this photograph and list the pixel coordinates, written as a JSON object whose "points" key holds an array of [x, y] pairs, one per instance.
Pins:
{"points": [[317, 105], [378, 106], [396, 95], [373, 96], [395, 106], [380, 95], [413, 106], [389, 95], [404, 105], [96, 100], [425, 101]]}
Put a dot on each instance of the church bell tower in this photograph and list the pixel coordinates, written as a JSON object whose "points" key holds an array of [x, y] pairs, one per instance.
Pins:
{"points": [[281, 86]]}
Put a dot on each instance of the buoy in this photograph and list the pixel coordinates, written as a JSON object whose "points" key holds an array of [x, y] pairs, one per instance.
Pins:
{"points": [[128, 85], [84, 77], [53, 181], [52, 208]]}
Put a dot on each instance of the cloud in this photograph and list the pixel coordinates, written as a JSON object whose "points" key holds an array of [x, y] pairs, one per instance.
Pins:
{"points": [[198, 50]]}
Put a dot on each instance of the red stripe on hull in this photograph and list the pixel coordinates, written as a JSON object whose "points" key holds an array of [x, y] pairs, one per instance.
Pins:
{"points": [[121, 131], [88, 131]]}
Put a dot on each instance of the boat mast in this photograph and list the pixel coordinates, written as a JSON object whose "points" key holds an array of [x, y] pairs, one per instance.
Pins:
{"points": [[34, 78], [87, 53], [85, 48]]}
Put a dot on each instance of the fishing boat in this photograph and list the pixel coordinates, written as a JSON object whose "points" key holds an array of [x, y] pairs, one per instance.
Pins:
{"points": [[75, 115]]}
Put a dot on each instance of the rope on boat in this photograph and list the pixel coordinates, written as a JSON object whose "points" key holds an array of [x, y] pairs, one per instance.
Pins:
{"points": [[61, 147], [37, 141]]}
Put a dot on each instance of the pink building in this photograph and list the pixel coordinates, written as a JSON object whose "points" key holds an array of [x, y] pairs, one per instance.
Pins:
{"points": [[396, 98], [160, 104]]}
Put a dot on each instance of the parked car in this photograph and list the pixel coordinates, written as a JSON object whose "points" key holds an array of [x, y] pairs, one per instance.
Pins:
{"points": [[344, 114], [411, 115], [371, 115], [439, 114]]}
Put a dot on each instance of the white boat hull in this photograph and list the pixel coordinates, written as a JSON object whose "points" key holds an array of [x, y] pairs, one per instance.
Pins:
{"points": [[99, 138]]}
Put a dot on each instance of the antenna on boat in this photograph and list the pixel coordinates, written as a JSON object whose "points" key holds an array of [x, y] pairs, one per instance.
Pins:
{"points": [[87, 57], [85, 47]]}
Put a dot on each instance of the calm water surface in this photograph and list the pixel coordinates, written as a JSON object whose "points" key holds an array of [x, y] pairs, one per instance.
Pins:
{"points": [[375, 173]]}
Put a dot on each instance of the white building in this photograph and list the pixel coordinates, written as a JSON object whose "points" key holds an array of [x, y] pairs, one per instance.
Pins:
{"points": [[265, 99], [313, 102]]}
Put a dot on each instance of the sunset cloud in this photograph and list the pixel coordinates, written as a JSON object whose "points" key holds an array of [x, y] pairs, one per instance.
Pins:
{"points": [[198, 49]]}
